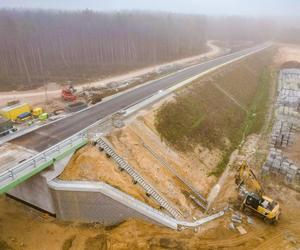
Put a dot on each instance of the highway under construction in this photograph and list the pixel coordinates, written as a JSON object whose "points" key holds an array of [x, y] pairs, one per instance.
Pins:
{"points": [[149, 125], [49, 135], [62, 138]]}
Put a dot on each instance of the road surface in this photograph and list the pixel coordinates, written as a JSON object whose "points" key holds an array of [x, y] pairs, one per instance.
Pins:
{"points": [[51, 134]]}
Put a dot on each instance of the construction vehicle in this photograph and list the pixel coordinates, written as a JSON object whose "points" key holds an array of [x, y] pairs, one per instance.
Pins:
{"points": [[36, 112], [43, 116], [68, 93], [251, 195]]}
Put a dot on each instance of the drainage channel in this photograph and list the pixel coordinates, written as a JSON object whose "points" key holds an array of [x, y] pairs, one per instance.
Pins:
{"points": [[196, 197]]}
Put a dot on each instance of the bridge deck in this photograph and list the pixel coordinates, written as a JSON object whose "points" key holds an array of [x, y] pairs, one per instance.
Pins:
{"points": [[24, 170]]}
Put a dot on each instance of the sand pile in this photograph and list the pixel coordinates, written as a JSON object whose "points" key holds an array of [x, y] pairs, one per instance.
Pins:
{"points": [[287, 53], [92, 165]]}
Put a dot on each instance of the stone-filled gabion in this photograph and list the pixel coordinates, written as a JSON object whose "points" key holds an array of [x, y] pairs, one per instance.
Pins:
{"points": [[278, 164], [286, 124], [282, 134]]}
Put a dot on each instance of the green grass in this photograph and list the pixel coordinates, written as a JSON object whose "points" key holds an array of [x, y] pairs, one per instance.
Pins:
{"points": [[203, 115], [254, 121]]}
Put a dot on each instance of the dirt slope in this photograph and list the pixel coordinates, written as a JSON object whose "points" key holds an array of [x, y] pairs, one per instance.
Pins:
{"points": [[92, 165], [144, 150]]}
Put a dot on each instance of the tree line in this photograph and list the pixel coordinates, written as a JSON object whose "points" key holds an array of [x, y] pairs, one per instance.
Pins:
{"points": [[38, 46]]}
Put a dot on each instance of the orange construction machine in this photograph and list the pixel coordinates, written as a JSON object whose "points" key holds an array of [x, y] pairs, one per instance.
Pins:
{"points": [[68, 93]]}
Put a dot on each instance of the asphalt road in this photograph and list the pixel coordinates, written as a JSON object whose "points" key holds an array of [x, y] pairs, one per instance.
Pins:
{"points": [[51, 134]]}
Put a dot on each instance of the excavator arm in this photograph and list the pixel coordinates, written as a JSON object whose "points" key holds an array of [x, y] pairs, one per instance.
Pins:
{"points": [[247, 178]]}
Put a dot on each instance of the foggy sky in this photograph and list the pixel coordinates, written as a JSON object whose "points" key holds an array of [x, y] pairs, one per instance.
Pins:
{"points": [[208, 7]]}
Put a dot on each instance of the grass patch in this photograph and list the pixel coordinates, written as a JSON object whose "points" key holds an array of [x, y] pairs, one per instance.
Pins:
{"points": [[201, 114], [254, 121]]}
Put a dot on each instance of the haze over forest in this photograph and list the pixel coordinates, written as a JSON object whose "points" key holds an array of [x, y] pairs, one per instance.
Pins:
{"points": [[38, 46]]}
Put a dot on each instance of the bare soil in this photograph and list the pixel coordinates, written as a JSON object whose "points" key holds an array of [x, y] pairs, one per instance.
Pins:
{"points": [[287, 52], [92, 165], [25, 228], [144, 150]]}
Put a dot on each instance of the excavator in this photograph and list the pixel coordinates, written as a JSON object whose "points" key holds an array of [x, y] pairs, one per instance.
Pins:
{"points": [[68, 93], [251, 195]]}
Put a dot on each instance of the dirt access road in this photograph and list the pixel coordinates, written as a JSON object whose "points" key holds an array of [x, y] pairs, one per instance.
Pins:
{"points": [[53, 90]]}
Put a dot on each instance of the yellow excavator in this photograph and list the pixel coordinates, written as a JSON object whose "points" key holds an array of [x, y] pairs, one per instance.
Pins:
{"points": [[251, 194]]}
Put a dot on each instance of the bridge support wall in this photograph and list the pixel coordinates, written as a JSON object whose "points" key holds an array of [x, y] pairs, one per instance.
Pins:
{"points": [[35, 190]]}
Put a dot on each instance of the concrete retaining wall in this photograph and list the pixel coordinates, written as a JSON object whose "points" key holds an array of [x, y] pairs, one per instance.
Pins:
{"points": [[35, 190], [99, 202], [102, 203], [92, 201]]}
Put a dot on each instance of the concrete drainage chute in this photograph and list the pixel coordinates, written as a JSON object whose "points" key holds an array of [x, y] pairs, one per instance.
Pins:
{"points": [[186, 224]]}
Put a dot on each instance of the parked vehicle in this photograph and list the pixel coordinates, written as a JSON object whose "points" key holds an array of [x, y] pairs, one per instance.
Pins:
{"points": [[36, 112], [24, 117], [6, 126], [43, 117]]}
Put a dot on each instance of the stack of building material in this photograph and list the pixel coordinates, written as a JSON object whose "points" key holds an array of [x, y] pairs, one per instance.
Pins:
{"points": [[280, 165], [288, 97], [287, 123], [282, 134]]}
